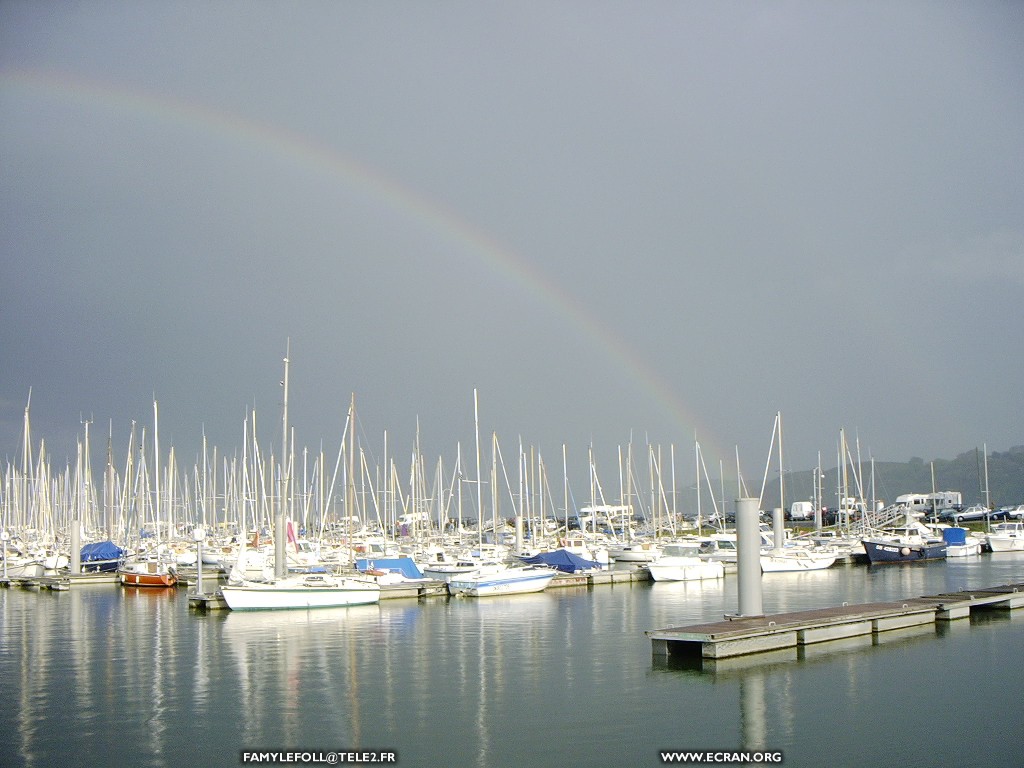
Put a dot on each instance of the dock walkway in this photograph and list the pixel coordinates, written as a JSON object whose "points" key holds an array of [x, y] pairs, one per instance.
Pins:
{"points": [[741, 635]]}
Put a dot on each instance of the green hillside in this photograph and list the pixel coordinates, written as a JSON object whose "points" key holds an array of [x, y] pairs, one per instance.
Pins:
{"points": [[965, 473]]}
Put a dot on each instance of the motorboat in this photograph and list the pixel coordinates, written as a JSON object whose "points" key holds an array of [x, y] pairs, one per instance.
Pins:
{"points": [[501, 579], [682, 562], [1006, 537]]}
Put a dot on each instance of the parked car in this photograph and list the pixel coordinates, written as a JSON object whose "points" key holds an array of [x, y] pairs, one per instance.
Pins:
{"points": [[973, 513], [1014, 513]]}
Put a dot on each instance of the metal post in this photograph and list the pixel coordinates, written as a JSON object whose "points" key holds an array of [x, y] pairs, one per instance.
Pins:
{"points": [[76, 546], [748, 557], [280, 547], [778, 528], [198, 533]]}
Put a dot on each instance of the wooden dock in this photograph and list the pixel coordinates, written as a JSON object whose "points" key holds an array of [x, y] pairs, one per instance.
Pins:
{"points": [[742, 635]]}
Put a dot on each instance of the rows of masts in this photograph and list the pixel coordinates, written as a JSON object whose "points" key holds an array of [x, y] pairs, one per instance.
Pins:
{"points": [[148, 494], [339, 496]]}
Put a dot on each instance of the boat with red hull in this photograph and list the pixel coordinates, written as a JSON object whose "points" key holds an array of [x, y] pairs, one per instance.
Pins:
{"points": [[147, 573]]}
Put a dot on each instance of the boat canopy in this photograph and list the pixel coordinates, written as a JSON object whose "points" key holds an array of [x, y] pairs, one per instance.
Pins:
{"points": [[403, 565], [563, 560], [954, 536], [101, 550]]}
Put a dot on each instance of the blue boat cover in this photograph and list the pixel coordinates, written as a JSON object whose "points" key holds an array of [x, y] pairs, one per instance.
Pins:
{"points": [[404, 565], [563, 560], [954, 535], [101, 550]]}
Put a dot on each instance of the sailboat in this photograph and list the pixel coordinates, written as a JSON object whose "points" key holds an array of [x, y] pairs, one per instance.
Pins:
{"points": [[780, 558], [154, 569], [294, 591]]}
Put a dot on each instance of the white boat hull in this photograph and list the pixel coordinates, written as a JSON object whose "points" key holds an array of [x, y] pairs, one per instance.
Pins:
{"points": [[31, 569], [1006, 543], [796, 561], [510, 581], [294, 593], [1007, 537], [664, 569]]}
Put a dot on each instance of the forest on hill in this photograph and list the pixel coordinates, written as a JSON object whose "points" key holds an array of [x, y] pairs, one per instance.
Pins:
{"points": [[966, 474]]}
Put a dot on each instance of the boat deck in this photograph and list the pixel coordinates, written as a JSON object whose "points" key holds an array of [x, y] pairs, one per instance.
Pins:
{"points": [[742, 635]]}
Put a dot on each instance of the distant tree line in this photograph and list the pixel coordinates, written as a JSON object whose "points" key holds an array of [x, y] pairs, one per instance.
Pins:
{"points": [[965, 473]]}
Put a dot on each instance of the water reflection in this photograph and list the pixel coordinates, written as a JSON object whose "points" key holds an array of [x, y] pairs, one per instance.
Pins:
{"points": [[285, 661], [563, 677]]}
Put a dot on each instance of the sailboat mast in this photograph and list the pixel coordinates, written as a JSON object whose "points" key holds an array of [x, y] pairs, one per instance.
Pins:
{"points": [[280, 534]]}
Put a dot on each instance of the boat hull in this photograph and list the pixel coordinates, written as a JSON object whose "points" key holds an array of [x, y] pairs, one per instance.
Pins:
{"points": [[485, 584], [880, 552], [1006, 537], [32, 569], [796, 562], [299, 594], [131, 578], [664, 570]]}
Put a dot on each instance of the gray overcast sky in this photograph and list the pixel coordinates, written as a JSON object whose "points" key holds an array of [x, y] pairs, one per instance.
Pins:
{"points": [[616, 220]]}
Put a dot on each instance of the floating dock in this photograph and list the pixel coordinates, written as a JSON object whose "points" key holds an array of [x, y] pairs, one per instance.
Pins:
{"points": [[743, 635], [598, 578]]}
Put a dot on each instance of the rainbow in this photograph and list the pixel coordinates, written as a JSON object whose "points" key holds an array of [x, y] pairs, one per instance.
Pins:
{"points": [[317, 157]]}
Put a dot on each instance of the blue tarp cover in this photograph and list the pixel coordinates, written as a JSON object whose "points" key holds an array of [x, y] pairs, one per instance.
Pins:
{"points": [[563, 560], [101, 550], [403, 565], [954, 535]]}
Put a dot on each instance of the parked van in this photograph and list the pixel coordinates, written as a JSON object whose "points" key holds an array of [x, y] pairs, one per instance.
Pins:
{"points": [[801, 510]]}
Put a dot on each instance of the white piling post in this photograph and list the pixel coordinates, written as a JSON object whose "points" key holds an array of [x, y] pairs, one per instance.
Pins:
{"points": [[76, 546], [748, 557], [778, 528], [198, 534]]}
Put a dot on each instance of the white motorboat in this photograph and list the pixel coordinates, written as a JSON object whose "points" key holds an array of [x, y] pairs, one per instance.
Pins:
{"points": [[635, 552], [1007, 537], [682, 562], [795, 559], [489, 580]]}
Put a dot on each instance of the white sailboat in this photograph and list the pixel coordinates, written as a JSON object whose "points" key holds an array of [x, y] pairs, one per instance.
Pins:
{"points": [[300, 591], [296, 591]]}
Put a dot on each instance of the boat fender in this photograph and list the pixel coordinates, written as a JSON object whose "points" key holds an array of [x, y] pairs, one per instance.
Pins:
{"points": [[905, 551]]}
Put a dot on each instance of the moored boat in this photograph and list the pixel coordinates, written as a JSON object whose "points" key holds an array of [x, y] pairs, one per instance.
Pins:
{"points": [[796, 559], [147, 573], [1006, 537], [301, 591], [960, 542], [680, 562], [501, 580], [908, 545]]}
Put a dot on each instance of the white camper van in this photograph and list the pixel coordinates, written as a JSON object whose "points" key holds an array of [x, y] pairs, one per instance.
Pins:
{"points": [[801, 510]]}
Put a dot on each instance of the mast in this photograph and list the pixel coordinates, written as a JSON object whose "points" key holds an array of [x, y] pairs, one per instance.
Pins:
{"points": [[280, 534], [479, 480]]}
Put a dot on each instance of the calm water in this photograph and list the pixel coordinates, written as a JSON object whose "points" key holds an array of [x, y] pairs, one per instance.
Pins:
{"points": [[110, 676]]}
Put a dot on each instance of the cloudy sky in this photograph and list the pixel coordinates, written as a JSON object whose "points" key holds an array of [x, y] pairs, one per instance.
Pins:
{"points": [[619, 222]]}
